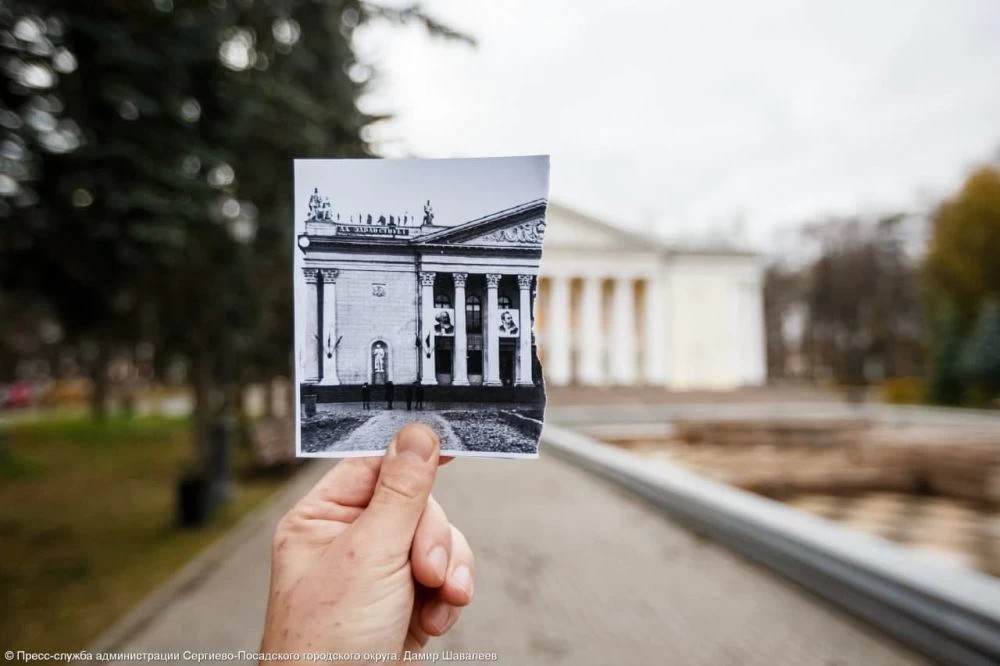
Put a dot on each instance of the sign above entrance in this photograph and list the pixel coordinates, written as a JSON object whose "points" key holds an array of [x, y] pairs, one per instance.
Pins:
{"points": [[371, 230]]}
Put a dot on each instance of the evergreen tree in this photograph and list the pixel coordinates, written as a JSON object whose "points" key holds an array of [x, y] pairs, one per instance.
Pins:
{"points": [[146, 181], [979, 363], [945, 386]]}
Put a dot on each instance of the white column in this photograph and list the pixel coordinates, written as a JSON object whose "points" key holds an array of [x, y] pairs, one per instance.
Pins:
{"points": [[623, 348], [492, 359], [310, 342], [329, 341], [524, 333], [750, 326], [427, 374], [558, 333], [461, 371], [591, 370], [654, 337]]}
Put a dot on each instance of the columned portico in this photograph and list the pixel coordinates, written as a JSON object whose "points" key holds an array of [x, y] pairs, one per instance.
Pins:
{"points": [[492, 330], [623, 308], [427, 375]]}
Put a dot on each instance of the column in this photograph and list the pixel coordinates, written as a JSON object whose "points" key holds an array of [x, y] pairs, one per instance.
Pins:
{"points": [[427, 373], [654, 338], [558, 333], [524, 331], [623, 348], [591, 369], [329, 343], [310, 342], [461, 370], [492, 358]]}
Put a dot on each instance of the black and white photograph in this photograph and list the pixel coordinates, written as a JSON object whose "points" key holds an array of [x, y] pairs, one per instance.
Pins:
{"points": [[415, 288]]}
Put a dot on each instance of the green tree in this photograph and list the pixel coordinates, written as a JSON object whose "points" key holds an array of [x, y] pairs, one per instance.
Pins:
{"points": [[147, 169], [944, 384], [962, 279], [961, 268], [979, 364]]}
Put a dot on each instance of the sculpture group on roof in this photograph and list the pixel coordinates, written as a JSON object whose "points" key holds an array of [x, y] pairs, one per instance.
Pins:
{"points": [[320, 210], [319, 207]]}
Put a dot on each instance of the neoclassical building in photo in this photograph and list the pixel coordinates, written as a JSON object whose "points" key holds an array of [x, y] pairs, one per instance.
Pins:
{"points": [[404, 300]]}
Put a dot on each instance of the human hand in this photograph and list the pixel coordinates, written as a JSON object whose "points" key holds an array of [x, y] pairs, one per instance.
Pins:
{"points": [[367, 561]]}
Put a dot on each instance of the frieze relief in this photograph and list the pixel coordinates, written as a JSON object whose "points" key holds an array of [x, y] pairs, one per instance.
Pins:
{"points": [[525, 234]]}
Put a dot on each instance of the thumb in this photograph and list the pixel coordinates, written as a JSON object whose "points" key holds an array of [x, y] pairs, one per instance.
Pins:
{"points": [[402, 489]]}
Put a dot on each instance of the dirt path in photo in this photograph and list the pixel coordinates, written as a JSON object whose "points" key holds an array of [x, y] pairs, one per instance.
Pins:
{"points": [[375, 433]]}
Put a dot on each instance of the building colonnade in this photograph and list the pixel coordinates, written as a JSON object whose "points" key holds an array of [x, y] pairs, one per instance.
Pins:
{"points": [[600, 330], [478, 301]]}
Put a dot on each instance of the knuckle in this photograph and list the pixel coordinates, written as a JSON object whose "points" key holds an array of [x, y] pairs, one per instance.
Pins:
{"points": [[405, 483], [286, 528]]}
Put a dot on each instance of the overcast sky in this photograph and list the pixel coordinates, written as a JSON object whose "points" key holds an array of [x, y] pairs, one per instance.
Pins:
{"points": [[460, 190], [687, 117]]}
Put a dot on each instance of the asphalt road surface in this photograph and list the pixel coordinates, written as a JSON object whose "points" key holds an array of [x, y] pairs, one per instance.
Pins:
{"points": [[571, 571]]}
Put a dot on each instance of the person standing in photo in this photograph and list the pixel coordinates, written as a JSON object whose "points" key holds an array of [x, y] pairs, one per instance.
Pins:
{"points": [[409, 397], [390, 393], [420, 395], [366, 396]]}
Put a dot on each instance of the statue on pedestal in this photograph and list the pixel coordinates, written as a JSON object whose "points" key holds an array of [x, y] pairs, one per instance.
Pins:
{"points": [[428, 213], [319, 207]]}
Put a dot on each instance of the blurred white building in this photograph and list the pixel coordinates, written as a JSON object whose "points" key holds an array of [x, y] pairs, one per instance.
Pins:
{"points": [[638, 311]]}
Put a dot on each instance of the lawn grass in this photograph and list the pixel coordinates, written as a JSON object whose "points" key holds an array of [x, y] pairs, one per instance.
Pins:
{"points": [[87, 522]]}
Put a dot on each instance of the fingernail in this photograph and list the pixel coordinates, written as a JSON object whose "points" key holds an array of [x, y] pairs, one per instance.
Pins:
{"points": [[439, 615], [416, 442], [438, 560], [462, 578]]}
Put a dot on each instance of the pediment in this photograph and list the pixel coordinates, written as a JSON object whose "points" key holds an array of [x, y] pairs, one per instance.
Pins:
{"points": [[569, 229], [521, 227]]}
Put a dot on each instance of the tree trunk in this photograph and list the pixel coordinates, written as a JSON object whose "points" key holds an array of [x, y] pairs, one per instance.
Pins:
{"points": [[202, 413], [212, 425], [240, 411], [99, 377]]}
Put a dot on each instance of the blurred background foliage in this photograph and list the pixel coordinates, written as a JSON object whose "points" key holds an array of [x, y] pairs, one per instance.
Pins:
{"points": [[908, 302], [146, 149], [146, 180]]}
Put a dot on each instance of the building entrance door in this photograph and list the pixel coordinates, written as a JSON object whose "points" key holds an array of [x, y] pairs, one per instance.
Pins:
{"points": [[443, 353], [508, 358]]}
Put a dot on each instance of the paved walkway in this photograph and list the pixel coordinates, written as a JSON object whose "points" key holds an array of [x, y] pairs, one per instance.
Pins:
{"points": [[570, 571], [500, 428], [371, 435]]}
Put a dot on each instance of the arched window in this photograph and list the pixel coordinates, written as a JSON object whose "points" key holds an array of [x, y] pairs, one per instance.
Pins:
{"points": [[504, 302], [473, 314], [442, 301]]}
